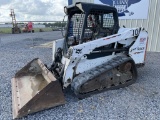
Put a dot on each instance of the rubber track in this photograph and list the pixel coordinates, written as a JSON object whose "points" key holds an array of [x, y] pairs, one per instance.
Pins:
{"points": [[90, 74]]}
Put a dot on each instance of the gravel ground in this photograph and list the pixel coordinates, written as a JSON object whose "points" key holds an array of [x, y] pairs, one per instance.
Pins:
{"points": [[140, 101]]}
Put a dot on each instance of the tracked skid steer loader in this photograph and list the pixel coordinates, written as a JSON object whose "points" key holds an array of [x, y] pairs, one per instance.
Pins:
{"points": [[95, 55]]}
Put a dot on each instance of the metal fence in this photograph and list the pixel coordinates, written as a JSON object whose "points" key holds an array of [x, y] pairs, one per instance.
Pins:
{"points": [[38, 26]]}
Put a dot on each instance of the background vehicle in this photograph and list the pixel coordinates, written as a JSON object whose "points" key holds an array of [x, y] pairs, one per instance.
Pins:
{"points": [[15, 28], [28, 28]]}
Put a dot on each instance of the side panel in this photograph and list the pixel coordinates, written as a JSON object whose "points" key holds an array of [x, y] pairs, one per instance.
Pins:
{"points": [[138, 50], [86, 64]]}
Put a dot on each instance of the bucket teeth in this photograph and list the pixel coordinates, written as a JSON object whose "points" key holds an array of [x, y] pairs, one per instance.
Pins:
{"points": [[34, 88]]}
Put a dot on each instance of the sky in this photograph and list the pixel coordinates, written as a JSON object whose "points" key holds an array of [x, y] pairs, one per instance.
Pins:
{"points": [[29, 10]]}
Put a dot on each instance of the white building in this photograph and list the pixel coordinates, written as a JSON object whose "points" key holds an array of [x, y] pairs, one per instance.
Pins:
{"points": [[151, 23]]}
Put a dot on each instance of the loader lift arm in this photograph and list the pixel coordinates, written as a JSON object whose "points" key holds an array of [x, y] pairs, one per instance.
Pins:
{"points": [[89, 47]]}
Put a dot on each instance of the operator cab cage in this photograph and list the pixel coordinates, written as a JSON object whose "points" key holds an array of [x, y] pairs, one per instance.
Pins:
{"points": [[87, 21]]}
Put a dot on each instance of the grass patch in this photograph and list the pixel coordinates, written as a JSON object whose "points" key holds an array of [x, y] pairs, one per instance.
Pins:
{"points": [[5, 30], [9, 30]]}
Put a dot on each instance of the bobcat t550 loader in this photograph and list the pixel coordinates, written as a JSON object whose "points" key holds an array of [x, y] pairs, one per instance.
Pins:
{"points": [[95, 55]]}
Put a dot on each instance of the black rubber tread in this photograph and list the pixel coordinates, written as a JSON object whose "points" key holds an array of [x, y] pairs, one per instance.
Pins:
{"points": [[106, 67]]}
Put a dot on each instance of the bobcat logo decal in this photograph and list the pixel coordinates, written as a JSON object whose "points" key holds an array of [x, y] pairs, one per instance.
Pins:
{"points": [[121, 5]]}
